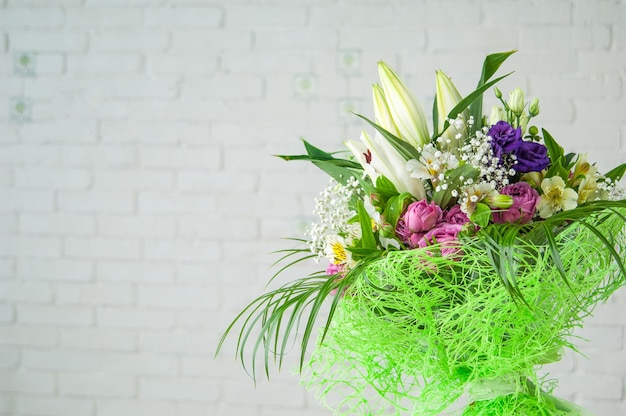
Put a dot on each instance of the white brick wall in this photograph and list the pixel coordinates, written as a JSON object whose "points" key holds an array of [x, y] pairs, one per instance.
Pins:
{"points": [[139, 198]]}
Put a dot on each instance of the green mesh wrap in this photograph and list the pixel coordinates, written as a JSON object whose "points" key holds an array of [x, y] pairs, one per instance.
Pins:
{"points": [[416, 330]]}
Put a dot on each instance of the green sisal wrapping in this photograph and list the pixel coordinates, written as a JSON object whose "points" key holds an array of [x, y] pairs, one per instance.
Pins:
{"points": [[415, 330]]}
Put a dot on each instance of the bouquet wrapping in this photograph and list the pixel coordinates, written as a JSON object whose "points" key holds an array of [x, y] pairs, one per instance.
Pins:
{"points": [[457, 263]]}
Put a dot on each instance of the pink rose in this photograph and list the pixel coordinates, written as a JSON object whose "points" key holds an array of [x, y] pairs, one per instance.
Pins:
{"points": [[455, 216], [334, 269], [525, 200], [445, 236], [418, 218]]}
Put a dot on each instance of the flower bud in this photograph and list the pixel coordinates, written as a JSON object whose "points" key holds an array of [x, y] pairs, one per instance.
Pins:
{"points": [[497, 200], [516, 101], [407, 113], [523, 123], [497, 92], [533, 130], [533, 110], [497, 114]]}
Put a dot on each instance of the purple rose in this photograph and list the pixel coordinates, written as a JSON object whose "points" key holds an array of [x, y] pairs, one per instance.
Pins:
{"points": [[455, 216], [531, 157], [525, 199], [445, 236], [418, 218], [504, 138]]}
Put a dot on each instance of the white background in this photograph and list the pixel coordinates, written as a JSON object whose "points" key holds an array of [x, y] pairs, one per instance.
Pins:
{"points": [[139, 199]]}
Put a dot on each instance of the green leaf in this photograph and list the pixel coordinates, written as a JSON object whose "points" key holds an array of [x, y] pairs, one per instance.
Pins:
{"points": [[490, 66], [557, 169], [435, 115], [367, 235], [405, 149], [335, 171], [394, 208], [481, 215], [555, 152], [385, 187], [616, 174]]}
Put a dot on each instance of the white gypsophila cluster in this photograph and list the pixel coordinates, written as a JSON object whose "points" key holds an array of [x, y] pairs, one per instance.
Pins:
{"points": [[479, 154], [333, 209], [617, 193]]}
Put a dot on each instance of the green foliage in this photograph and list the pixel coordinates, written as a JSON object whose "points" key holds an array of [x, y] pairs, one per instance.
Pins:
{"points": [[339, 169]]}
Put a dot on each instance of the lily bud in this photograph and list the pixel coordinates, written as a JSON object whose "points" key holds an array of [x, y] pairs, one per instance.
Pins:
{"points": [[381, 111], [447, 98], [516, 101], [497, 114], [407, 114], [533, 110]]}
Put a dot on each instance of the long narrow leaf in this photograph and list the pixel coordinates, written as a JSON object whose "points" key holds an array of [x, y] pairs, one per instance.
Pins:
{"points": [[405, 149]]}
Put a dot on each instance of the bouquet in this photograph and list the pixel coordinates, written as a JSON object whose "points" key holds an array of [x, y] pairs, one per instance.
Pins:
{"points": [[457, 262]]}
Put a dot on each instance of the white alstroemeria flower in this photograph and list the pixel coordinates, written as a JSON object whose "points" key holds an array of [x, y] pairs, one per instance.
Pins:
{"points": [[431, 164], [378, 157], [381, 111], [407, 114], [582, 169], [335, 250], [556, 197], [479, 192], [447, 98]]}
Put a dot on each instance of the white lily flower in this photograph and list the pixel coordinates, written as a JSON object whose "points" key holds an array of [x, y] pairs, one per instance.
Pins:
{"points": [[381, 111], [447, 98], [378, 157], [407, 114]]}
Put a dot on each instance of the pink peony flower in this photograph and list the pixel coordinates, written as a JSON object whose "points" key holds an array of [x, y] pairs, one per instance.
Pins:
{"points": [[418, 218], [445, 235], [525, 200], [455, 216]]}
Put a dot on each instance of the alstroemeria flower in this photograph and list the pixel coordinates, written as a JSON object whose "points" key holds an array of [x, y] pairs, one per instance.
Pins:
{"points": [[335, 250], [431, 164], [556, 197]]}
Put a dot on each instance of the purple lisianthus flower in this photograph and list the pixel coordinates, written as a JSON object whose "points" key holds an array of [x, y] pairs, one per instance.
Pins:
{"points": [[446, 237], [504, 138], [418, 218], [531, 157], [525, 199]]}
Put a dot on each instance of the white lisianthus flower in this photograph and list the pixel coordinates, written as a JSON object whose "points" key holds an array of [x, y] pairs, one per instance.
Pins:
{"points": [[516, 101], [556, 197]]}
